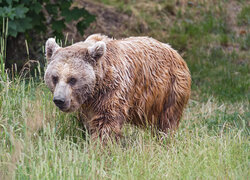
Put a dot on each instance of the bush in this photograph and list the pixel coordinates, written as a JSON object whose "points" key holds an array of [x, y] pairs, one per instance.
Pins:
{"points": [[24, 15]]}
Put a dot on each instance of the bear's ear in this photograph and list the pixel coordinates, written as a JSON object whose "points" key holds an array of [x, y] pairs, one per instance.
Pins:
{"points": [[50, 47], [97, 50]]}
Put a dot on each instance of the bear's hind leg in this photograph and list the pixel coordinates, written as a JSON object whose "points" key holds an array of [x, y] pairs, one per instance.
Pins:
{"points": [[175, 101], [172, 111]]}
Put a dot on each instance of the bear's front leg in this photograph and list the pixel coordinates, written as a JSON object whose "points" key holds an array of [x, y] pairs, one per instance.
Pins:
{"points": [[106, 126]]}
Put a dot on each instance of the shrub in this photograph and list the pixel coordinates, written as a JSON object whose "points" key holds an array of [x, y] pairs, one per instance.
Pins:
{"points": [[24, 15]]}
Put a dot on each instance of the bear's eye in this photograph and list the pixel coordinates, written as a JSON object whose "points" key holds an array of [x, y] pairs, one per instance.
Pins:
{"points": [[54, 79], [72, 81]]}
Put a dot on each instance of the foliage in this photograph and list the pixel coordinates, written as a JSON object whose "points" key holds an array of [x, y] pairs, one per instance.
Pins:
{"points": [[24, 15]]}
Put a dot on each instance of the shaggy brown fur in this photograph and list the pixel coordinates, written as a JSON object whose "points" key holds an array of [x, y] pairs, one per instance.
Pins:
{"points": [[139, 80]]}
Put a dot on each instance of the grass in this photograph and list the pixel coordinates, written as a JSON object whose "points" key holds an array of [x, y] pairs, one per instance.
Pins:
{"points": [[244, 16], [37, 141]]}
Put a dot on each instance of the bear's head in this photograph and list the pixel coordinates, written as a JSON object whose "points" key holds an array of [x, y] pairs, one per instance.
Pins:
{"points": [[70, 73]]}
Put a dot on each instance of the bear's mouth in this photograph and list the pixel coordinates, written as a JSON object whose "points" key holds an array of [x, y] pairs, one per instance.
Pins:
{"points": [[70, 107], [64, 107]]}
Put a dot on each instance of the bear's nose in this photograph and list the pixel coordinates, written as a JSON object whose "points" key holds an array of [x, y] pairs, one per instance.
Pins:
{"points": [[59, 101]]}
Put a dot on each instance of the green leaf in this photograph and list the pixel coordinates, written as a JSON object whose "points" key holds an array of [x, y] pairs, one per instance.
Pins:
{"points": [[36, 7], [58, 25], [20, 11], [52, 8], [89, 19], [58, 35], [38, 22], [9, 12], [65, 5], [82, 25], [9, 2], [76, 14], [73, 14], [12, 25], [12, 28], [24, 24], [12, 32], [19, 25]]}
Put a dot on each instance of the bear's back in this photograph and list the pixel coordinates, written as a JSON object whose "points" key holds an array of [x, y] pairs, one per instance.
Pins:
{"points": [[145, 69]]}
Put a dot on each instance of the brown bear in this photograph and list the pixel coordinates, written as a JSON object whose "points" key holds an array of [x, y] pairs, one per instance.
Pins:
{"points": [[137, 80]]}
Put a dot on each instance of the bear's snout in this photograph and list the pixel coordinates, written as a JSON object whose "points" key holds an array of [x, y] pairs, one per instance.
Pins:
{"points": [[59, 102]]}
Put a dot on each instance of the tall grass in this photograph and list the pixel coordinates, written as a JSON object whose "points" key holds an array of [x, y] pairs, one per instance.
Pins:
{"points": [[39, 142]]}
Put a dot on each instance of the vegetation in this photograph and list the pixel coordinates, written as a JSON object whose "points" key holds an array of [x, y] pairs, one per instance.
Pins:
{"points": [[37, 141], [25, 15], [30, 22]]}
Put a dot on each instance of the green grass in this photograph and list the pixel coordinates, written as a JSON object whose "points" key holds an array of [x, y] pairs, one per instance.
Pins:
{"points": [[37, 141], [244, 16]]}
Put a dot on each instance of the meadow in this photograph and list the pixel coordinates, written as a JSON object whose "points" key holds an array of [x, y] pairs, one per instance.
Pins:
{"points": [[37, 141]]}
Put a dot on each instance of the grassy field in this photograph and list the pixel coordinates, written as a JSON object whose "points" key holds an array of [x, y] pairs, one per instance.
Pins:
{"points": [[37, 141]]}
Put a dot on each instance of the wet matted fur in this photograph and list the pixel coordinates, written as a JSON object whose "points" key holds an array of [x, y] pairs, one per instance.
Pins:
{"points": [[137, 80]]}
